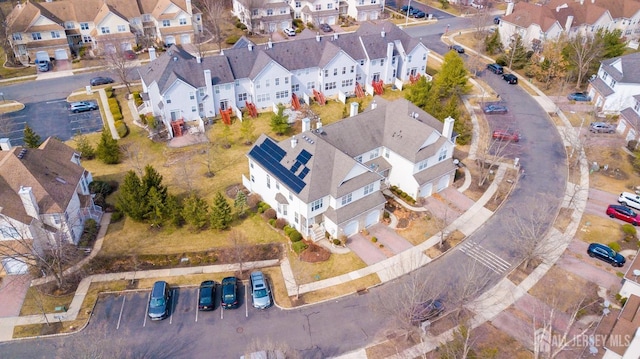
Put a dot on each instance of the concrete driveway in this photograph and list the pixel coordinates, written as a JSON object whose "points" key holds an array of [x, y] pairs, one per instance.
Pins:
{"points": [[12, 292]]}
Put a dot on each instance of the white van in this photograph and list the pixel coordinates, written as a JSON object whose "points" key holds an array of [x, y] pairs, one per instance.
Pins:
{"points": [[629, 199]]}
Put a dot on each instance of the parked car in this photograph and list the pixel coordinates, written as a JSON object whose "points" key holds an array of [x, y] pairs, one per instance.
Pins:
{"points": [[97, 81], [159, 301], [289, 31], [326, 27], [206, 295], [496, 20], [495, 68], [44, 66], [504, 135], [629, 199], [459, 49], [419, 14], [426, 311], [130, 55], [624, 213], [229, 293], [601, 127], [510, 78], [406, 8], [495, 109], [579, 96], [260, 293], [82, 106], [605, 253]]}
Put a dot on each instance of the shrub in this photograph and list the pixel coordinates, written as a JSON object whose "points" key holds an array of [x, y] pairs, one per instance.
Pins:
{"points": [[385, 215], [102, 187], [337, 242], [615, 246], [272, 222], [253, 201], [137, 99], [121, 128], [298, 247], [232, 39], [295, 236], [269, 213], [629, 231], [327, 235], [374, 239], [280, 223], [116, 216], [621, 299], [287, 229], [632, 145]]}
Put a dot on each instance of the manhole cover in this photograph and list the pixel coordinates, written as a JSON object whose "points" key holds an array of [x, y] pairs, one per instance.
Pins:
{"points": [[239, 330]]}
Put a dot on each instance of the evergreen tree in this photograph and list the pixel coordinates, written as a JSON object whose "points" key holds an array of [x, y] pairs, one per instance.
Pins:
{"points": [[155, 208], [83, 146], [419, 92], [31, 139], [195, 212], [517, 56], [173, 211], [108, 150], [279, 123], [132, 197], [240, 204], [492, 43], [613, 43], [220, 213], [153, 180], [452, 78]]}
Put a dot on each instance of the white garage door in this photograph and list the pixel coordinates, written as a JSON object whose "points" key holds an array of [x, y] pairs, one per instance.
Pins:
{"points": [[13, 266], [170, 40], [42, 56], [443, 183], [61, 54], [372, 218], [331, 20], [426, 190], [185, 39], [351, 228]]}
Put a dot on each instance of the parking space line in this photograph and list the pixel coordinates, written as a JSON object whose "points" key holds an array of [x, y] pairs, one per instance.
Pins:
{"points": [[197, 303], [121, 309], [173, 306], [221, 311], [246, 303], [146, 311]]}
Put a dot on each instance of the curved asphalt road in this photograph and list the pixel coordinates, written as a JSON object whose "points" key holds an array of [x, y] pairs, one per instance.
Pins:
{"points": [[335, 327]]}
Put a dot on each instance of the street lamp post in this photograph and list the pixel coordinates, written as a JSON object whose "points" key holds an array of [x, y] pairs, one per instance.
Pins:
{"points": [[406, 22], [2, 94], [573, 147]]}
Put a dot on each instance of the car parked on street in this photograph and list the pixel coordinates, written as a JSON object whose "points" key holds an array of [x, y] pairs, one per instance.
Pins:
{"points": [[82, 106], [229, 293], [504, 135], [159, 301], [629, 199], [623, 213], [606, 254], [97, 81], [206, 295], [426, 311], [419, 14], [601, 127], [510, 78], [260, 293], [579, 96], [326, 27], [289, 31], [495, 68], [495, 109], [406, 8], [457, 48]]}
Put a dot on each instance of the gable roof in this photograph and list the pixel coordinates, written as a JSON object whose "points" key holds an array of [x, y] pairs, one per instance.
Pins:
{"points": [[630, 65], [49, 172], [328, 154]]}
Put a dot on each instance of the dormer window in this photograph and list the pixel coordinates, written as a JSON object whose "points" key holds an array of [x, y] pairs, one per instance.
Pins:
{"points": [[84, 26], [183, 21], [166, 23], [613, 83]]}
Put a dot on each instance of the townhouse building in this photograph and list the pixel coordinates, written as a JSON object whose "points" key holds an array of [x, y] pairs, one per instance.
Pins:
{"points": [[58, 29], [263, 16], [536, 23], [44, 197], [330, 178], [180, 87]]}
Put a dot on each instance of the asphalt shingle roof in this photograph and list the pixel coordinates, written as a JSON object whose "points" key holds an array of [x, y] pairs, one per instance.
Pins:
{"points": [[630, 65]]}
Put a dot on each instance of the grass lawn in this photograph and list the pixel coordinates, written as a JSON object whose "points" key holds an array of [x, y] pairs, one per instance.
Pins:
{"points": [[341, 289], [337, 264], [36, 302], [599, 229], [10, 106]]}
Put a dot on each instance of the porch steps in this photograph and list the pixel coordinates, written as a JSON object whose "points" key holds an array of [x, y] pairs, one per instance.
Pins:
{"points": [[378, 87], [359, 90], [317, 233]]}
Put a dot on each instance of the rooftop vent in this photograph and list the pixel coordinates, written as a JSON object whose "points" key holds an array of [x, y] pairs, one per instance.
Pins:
{"points": [[22, 153]]}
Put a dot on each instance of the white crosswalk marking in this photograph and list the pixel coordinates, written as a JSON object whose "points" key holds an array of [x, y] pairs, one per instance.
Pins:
{"points": [[485, 257]]}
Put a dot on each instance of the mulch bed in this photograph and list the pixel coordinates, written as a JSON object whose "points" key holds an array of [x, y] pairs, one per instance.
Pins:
{"points": [[315, 253]]}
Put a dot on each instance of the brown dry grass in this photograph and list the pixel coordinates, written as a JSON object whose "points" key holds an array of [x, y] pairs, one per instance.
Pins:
{"points": [[337, 264], [598, 229], [612, 181], [504, 189], [10, 106], [564, 290], [563, 220], [340, 289], [36, 302], [488, 339]]}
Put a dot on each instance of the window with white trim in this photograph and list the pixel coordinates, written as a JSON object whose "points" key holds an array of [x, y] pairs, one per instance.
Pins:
{"points": [[637, 106], [368, 188], [373, 154], [122, 28], [55, 34], [183, 21], [266, 83], [105, 30], [166, 23], [277, 81], [330, 85], [242, 97], [386, 153], [282, 94], [346, 199], [423, 164], [329, 6], [268, 181], [316, 205], [192, 95], [17, 36], [9, 232], [318, 7], [347, 83], [311, 85], [36, 36], [443, 154], [84, 26]]}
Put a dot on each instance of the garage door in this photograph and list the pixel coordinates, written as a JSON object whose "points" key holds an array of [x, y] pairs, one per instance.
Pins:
{"points": [[372, 218], [426, 190], [443, 183], [13, 266], [331, 20], [351, 228], [42, 56], [61, 54], [185, 39], [170, 40]]}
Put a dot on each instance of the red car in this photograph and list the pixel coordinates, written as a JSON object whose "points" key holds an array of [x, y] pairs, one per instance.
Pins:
{"points": [[624, 213], [506, 135]]}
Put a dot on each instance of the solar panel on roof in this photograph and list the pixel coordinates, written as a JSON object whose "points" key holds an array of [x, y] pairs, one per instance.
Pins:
{"points": [[304, 157], [273, 149], [295, 166], [268, 162], [303, 173]]}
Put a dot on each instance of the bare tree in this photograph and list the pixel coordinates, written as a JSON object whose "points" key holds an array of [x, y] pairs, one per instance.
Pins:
{"points": [[138, 158], [216, 13], [490, 155], [471, 280], [239, 247], [461, 345], [115, 59], [210, 159], [583, 50], [184, 173], [4, 40]]}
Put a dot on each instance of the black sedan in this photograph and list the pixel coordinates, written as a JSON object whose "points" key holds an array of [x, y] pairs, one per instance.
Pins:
{"points": [[97, 81], [510, 78], [426, 311], [326, 27], [229, 293], [495, 109], [206, 294], [457, 48]]}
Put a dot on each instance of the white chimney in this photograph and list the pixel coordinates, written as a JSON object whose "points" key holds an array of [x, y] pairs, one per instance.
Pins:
{"points": [[317, 36], [189, 10], [447, 129], [581, 2], [152, 53], [5, 144], [510, 6], [199, 59], [250, 46], [319, 125], [374, 105], [306, 124], [207, 76], [29, 201], [564, 6], [567, 25], [354, 109], [269, 43], [294, 142]]}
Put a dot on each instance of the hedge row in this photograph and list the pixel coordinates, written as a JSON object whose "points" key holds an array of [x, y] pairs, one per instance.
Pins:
{"points": [[116, 112], [400, 193]]}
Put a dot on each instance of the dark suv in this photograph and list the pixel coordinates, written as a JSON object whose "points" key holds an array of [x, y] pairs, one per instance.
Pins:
{"points": [[229, 293], [495, 68], [159, 301], [604, 253]]}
